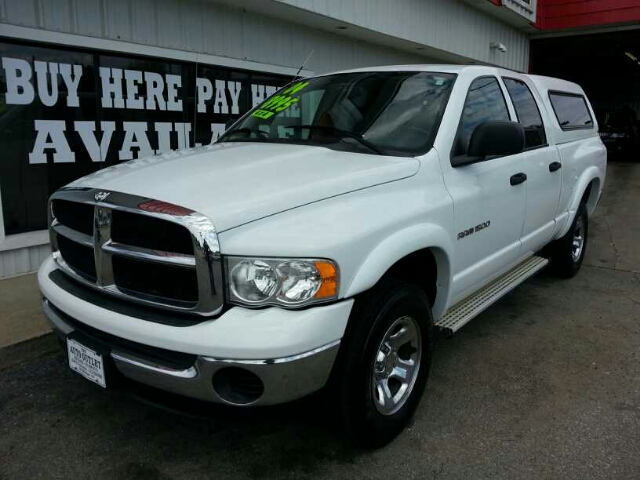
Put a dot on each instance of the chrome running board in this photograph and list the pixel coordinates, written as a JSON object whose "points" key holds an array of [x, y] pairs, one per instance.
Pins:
{"points": [[466, 310]]}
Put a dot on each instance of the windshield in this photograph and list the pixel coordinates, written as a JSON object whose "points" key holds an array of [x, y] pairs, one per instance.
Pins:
{"points": [[390, 113]]}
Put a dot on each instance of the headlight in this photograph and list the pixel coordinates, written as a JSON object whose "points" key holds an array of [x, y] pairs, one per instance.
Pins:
{"points": [[284, 282], [253, 281]]}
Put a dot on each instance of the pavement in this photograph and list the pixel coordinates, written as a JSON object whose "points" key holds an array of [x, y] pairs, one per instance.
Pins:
{"points": [[544, 384]]}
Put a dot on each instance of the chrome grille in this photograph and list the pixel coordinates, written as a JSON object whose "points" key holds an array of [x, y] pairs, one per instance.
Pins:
{"points": [[143, 250]]}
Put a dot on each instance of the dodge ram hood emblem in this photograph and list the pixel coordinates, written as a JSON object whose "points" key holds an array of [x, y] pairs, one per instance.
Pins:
{"points": [[100, 196]]}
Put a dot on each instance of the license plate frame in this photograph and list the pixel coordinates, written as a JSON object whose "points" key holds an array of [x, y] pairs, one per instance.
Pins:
{"points": [[86, 362]]}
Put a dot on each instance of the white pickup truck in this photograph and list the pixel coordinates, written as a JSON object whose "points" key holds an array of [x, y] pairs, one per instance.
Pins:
{"points": [[325, 238]]}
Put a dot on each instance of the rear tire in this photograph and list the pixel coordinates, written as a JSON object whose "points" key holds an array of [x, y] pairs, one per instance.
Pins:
{"points": [[568, 252], [383, 364]]}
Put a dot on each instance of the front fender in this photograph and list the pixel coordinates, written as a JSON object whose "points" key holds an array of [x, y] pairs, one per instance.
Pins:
{"points": [[397, 246]]}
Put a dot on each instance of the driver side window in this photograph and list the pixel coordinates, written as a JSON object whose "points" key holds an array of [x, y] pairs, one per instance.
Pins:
{"points": [[484, 102]]}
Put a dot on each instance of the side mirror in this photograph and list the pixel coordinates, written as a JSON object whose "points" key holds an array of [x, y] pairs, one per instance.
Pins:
{"points": [[496, 138], [491, 138]]}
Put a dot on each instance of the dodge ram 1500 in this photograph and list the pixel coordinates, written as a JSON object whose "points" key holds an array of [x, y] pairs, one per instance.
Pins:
{"points": [[325, 238]]}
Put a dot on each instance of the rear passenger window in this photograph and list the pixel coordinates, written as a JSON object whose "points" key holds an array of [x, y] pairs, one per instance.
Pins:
{"points": [[571, 110], [528, 113], [484, 102]]}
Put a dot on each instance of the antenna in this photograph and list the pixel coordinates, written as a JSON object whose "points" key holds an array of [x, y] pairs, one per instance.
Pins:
{"points": [[302, 66]]}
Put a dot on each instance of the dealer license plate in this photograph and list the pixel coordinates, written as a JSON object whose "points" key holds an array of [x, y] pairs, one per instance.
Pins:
{"points": [[86, 362]]}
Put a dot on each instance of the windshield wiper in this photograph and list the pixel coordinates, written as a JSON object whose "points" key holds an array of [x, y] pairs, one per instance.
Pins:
{"points": [[340, 134]]}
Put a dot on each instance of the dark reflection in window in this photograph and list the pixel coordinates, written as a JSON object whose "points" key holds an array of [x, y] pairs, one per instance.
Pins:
{"points": [[393, 113], [26, 185], [484, 102], [571, 110], [528, 113]]}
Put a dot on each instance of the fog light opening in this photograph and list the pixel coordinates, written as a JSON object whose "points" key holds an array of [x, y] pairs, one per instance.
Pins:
{"points": [[237, 385]]}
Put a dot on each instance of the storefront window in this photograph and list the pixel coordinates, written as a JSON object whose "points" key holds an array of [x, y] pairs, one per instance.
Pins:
{"points": [[65, 113]]}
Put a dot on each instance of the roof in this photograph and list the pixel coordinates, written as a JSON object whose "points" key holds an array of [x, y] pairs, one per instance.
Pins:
{"points": [[550, 83], [541, 82], [411, 68]]}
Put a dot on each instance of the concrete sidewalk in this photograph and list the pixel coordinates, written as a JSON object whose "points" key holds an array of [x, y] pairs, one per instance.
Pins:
{"points": [[21, 316]]}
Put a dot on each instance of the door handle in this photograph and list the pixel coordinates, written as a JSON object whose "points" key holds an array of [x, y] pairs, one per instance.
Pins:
{"points": [[554, 166], [518, 178]]}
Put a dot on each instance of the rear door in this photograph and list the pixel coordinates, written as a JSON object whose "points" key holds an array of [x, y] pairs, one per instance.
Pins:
{"points": [[541, 164], [488, 209]]}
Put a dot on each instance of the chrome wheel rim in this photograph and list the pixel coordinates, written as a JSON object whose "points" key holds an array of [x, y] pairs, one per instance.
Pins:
{"points": [[578, 240], [396, 365]]}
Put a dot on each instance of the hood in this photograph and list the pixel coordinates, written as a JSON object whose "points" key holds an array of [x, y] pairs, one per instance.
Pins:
{"points": [[236, 183]]}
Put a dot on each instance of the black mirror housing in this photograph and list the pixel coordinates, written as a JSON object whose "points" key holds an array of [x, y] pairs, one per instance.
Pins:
{"points": [[496, 137]]}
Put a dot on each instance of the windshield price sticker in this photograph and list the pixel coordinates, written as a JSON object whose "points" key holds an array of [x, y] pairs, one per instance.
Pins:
{"points": [[278, 103]]}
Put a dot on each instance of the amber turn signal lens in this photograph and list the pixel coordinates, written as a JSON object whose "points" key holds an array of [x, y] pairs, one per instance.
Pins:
{"points": [[329, 275]]}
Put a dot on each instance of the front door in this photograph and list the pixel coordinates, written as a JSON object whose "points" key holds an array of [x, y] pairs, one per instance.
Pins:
{"points": [[488, 209]]}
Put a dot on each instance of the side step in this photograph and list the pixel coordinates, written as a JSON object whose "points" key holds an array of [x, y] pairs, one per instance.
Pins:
{"points": [[463, 312]]}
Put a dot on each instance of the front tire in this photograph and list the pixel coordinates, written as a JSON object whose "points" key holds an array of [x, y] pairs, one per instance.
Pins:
{"points": [[568, 252], [384, 361]]}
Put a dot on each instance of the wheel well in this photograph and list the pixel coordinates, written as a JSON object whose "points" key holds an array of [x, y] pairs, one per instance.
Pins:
{"points": [[590, 196], [419, 268]]}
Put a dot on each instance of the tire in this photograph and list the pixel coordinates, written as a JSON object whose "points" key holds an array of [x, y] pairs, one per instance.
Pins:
{"points": [[391, 307], [566, 255]]}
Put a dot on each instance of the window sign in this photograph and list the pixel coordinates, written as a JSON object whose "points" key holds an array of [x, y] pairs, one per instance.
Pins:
{"points": [[66, 113]]}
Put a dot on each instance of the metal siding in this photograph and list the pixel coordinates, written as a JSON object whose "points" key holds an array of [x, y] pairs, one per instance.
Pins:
{"points": [[55, 15], [118, 24], [12, 262], [170, 23], [443, 24], [33, 257], [144, 18], [218, 23], [227, 31], [23, 260], [89, 18], [275, 41], [193, 29], [21, 12]]}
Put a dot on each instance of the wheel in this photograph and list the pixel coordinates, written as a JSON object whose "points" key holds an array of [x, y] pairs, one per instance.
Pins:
{"points": [[568, 252], [383, 364]]}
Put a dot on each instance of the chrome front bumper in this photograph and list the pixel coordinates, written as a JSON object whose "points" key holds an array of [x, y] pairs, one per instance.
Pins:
{"points": [[284, 379]]}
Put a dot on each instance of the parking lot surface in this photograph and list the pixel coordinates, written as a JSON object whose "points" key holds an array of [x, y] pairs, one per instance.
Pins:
{"points": [[544, 384]]}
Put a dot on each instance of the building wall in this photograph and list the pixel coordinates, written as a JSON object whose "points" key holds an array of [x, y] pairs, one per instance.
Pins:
{"points": [[448, 25], [23, 259], [202, 27]]}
